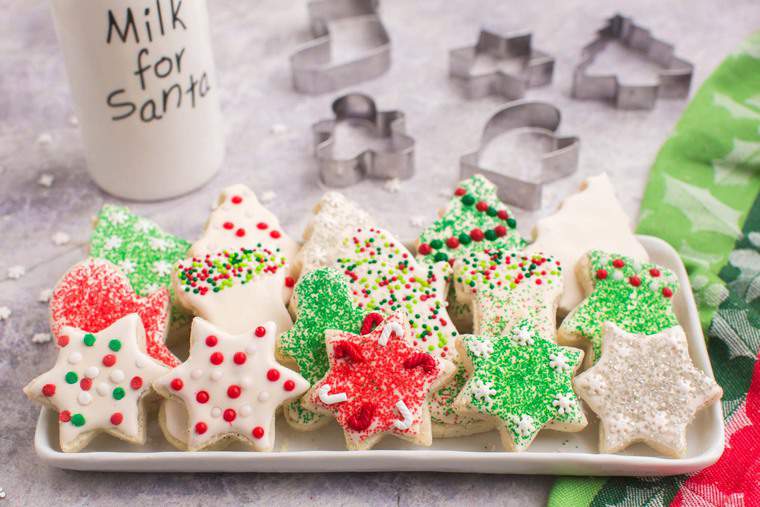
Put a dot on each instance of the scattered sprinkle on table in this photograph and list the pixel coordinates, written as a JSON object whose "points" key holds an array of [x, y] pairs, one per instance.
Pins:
{"points": [[45, 295], [392, 185], [60, 238], [268, 196], [41, 338], [16, 272], [46, 180], [5, 313], [44, 139]]}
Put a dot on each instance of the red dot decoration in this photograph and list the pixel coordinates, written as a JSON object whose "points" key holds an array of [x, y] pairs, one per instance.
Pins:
{"points": [[136, 383], [109, 360], [201, 428], [634, 280], [273, 375], [601, 274], [452, 242], [228, 225], [233, 391], [538, 281], [217, 358], [500, 231], [64, 416], [260, 331], [239, 358], [229, 415], [289, 385], [477, 235], [503, 214], [117, 418], [275, 234], [654, 272], [258, 432], [85, 384], [63, 341], [460, 191], [262, 226], [482, 206], [618, 263], [424, 249], [48, 390], [177, 384], [240, 232], [202, 397], [667, 292], [211, 340], [289, 282], [236, 199]]}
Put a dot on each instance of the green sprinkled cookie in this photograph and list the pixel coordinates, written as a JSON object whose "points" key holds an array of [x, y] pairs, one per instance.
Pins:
{"points": [[521, 381], [636, 296], [475, 220], [323, 301]]}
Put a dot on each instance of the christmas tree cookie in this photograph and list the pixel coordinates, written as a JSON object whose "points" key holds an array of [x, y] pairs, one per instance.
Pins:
{"points": [[475, 220], [636, 296], [645, 388], [231, 387], [99, 383], [323, 300], [379, 383], [590, 219], [94, 294], [234, 289], [522, 382], [143, 251]]}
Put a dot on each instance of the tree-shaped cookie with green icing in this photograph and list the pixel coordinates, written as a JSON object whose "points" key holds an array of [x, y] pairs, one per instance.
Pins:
{"points": [[521, 381], [323, 300], [634, 295], [141, 249], [474, 220]]}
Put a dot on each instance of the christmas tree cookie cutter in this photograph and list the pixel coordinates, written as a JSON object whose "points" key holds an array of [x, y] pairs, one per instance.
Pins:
{"points": [[394, 161], [536, 67], [673, 81], [315, 71], [560, 162]]}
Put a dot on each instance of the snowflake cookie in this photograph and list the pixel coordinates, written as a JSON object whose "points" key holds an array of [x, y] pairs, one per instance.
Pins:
{"points": [[94, 294], [234, 289], [99, 383], [474, 220], [323, 300], [636, 296], [645, 388], [379, 383], [592, 218], [231, 387], [521, 381], [334, 216]]}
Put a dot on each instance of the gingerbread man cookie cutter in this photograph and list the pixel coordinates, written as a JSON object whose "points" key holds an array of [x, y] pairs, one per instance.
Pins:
{"points": [[315, 71], [536, 67], [560, 162], [396, 160], [673, 80]]}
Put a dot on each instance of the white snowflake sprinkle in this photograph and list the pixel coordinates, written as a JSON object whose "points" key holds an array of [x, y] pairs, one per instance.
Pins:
{"points": [[45, 295], [525, 425], [278, 129], [60, 238], [522, 336], [483, 391], [563, 403], [44, 139], [113, 243], [143, 226], [127, 266], [41, 338], [159, 243], [46, 180], [481, 348], [5, 313], [162, 268], [16, 272], [392, 185], [268, 196], [118, 216]]}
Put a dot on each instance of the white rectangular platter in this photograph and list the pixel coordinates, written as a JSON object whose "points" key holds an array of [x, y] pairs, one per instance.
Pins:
{"points": [[324, 451]]}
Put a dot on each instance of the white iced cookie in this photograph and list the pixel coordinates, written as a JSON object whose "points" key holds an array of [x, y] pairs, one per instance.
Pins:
{"points": [[231, 387], [99, 383], [645, 388], [334, 216], [588, 220], [234, 289], [239, 220]]}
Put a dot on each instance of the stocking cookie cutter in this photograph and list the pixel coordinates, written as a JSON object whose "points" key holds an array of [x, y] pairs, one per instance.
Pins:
{"points": [[312, 67], [536, 67], [560, 162], [674, 79], [397, 161]]}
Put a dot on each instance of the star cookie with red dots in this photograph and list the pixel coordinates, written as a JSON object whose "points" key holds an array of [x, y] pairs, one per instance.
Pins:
{"points": [[94, 294], [379, 383], [636, 296], [234, 289], [99, 383], [231, 387]]}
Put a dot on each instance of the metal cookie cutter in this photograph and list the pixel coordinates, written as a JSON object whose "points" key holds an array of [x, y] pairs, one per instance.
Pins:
{"points": [[314, 70], [560, 162], [535, 67], [395, 160], [674, 80]]}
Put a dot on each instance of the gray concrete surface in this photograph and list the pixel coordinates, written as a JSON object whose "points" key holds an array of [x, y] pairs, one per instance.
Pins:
{"points": [[252, 41]]}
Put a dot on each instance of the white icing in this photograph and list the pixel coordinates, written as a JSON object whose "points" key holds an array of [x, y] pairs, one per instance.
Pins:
{"points": [[216, 412], [141, 362], [330, 399], [263, 396], [245, 410], [389, 329], [216, 375], [406, 416], [116, 376], [196, 374]]}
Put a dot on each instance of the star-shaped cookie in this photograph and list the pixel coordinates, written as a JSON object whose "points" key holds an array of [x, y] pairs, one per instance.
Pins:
{"points": [[94, 294], [231, 387], [234, 289], [637, 296], [522, 382], [379, 383], [98, 383], [645, 388], [592, 218], [323, 301]]}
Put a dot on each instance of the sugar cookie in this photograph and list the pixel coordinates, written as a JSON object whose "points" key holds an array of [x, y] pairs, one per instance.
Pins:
{"points": [[590, 219], [99, 383], [521, 381], [230, 386], [379, 383], [645, 388], [634, 295], [94, 294], [323, 300], [234, 289]]}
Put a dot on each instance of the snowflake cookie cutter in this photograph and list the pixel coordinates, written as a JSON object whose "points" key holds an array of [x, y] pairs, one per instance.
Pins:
{"points": [[315, 72], [394, 161], [673, 81], [535, 117], [536, 68]]}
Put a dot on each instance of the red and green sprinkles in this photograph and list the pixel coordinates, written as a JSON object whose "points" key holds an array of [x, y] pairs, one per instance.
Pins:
{"points": [[494, 269], [636, 296], [221, 270], [474, 220]]}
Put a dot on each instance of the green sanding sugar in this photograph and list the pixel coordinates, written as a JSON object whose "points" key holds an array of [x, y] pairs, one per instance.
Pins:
{"points": [[523, 380], [475, 220], [634, 295]]}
